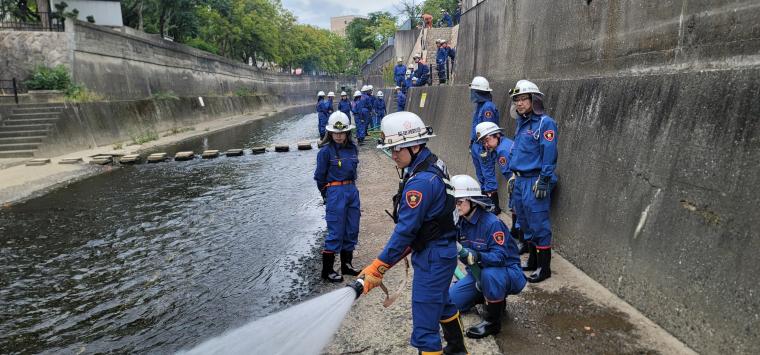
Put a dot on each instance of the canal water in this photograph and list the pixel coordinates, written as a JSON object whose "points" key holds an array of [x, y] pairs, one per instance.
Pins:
{"points": [[155, 258]]}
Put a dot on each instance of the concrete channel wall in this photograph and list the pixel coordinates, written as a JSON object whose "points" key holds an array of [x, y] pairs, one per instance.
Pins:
{"points": [[125, 66], [659, 146]]}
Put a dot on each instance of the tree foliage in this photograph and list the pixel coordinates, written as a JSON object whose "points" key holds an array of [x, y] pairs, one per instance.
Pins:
{"points": [[434, 8], [261, 30], [371, 32]]}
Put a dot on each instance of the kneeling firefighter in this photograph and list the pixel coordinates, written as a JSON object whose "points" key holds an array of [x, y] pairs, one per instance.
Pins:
{"points": [[423, 210], [488, 246], [335, 174]]}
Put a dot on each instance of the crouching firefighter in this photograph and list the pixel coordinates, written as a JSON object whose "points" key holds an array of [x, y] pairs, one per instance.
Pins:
{"points": [[335, 174], [487, 246], [423, 211]]}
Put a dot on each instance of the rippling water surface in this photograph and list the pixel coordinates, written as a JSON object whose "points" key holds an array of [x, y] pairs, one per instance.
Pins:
{"points": [[155, 258]]}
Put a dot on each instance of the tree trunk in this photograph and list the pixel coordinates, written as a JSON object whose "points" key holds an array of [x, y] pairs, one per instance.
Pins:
{"points": [[43, 9], [140, 16]]}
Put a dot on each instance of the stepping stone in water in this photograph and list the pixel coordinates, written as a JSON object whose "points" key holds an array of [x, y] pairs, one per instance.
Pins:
{"points": [[258, 150], [209, 154], [281, 148], [304, 145], [184, 156], [38, 162], [234, 152], [71, 161], [157, 158], [130, 159]]}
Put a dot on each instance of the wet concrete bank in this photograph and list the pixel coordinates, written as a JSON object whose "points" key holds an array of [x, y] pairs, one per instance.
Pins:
{"points": [[655, 199], [569, 313], [658, 139]]}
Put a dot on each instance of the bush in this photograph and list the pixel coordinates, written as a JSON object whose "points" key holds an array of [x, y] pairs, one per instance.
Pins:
{"points": [[79, 93], [45, 78], [164, 95], [243, 91], [144, 137], [203, 45]]}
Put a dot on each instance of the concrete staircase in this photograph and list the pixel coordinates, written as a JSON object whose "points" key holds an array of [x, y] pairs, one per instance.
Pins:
{"points": [[431, 49], [24, 130]]}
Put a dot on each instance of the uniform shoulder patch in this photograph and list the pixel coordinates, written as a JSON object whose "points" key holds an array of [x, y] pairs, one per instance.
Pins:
{"points": [[498, 237], [549, 135], [488, 114], [503, 161], [413, 198]]}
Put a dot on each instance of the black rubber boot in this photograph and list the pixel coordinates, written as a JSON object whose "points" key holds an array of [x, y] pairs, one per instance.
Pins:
{"points": [[494, 196], [346, 263], [328, 259], [491, 323], [519, 236], [544, 270], [452, 333], [532, 263]]}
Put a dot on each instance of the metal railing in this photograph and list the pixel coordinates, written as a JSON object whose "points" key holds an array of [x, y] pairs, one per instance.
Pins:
{"points": [[8, 88], [42, 21]]}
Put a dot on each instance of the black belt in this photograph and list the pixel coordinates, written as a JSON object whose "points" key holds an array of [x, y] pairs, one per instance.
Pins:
{"points": [[527, 173]]}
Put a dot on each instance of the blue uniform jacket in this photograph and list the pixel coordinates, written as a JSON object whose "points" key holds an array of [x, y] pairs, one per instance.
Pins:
{"points": [[380, 107], [440, 56], [535, 146], [336, 163], [447, 20], [399, 71], [422, 73], [406, 84], [502, 156], [423, 198], [345, 107], [325, 107], [485, 111], [489, 236], [400, 101], [364, 107]]}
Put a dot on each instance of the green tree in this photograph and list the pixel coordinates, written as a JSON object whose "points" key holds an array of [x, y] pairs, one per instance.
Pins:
{"points": [[434, 8]]}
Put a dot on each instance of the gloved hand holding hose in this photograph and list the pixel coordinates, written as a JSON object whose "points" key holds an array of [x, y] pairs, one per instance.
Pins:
{"points": [[541, 187]]}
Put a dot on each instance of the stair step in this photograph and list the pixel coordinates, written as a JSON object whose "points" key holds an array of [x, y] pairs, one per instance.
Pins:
{"points": [[28, 139], [27, 127], [35, 114], [23, 110], [28, 121], [32, 133], [18, 146], [17, 153]]}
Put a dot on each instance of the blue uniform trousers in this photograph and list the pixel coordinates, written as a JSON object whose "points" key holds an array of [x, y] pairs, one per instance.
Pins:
{"points": [[532, 213], [361, 127], [495, 282], [322, 123], [433, 269], [342, 216]]}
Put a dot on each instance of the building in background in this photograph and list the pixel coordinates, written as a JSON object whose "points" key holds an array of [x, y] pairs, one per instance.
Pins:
{"points": [[338, 24], [104, 12]]}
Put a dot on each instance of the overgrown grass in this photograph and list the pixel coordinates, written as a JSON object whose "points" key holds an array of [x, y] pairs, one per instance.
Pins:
{"points": [[178, 130], [144, 137], [164, 95], [244, 91], [117, 146], [79, 93]]}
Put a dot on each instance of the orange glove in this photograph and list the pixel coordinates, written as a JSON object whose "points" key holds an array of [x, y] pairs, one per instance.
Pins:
{"points": [[373, 274]]}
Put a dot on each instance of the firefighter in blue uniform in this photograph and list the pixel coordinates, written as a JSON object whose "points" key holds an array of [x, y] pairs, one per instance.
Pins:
{"points": [[379, 109], [335, 175], [423, 211], [440, 60], [400, 99], [344, 105], [321, 118], [399, 71], [422, 73], [487, 244], [408, 80], [485, 111], [446, 19], [533, 160], [363, 112], [324, 109]]}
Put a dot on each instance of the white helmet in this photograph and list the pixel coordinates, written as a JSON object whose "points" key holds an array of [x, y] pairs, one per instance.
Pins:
{"points": [[379, 94], [403, 129], [524, 87], [343, 93], [370, 87], [484, 129], [338, 122], [397, 88], [365, 88], [480, 83], [465, 186], [330, 94], [321, 93], [357, 93], [400, 59]]}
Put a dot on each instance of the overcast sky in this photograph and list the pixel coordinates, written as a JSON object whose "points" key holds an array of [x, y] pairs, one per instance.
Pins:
{"points": [[318, 12]]}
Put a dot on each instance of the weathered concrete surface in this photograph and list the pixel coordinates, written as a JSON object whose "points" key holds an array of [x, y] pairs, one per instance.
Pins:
{"points": [[655, 198], [565, 39], [23, 50]]}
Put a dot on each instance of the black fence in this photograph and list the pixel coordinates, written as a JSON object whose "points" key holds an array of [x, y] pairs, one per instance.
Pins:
{"points": [[41, 21], [9, 88]]}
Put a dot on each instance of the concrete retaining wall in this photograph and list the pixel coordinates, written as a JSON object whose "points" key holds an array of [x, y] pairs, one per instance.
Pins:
{"points": [[23, 50], [658, 146], [88, 125]]}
